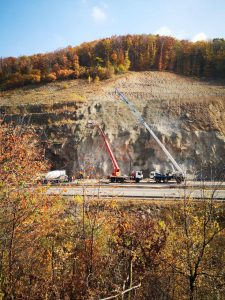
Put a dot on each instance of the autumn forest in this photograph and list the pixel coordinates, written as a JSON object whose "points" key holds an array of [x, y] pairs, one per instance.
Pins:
{"points": [[102, 59]]}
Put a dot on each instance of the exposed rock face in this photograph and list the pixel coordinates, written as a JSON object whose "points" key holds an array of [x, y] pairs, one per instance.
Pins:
{"points": [[187, 115]]}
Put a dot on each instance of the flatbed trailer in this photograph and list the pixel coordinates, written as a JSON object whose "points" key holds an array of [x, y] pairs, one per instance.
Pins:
{"points": [[159, 177], [117, 178]]}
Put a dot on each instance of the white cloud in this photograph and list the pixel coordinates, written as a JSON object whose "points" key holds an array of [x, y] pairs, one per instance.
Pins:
{"points": [[98, 14], [164, 30], [199, 37]]}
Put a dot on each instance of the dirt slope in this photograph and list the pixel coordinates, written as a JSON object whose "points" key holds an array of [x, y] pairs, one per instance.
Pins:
{"points": [[186, 114]]}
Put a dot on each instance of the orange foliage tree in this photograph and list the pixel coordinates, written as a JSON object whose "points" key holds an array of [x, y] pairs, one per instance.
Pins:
{"points": [[27, 217]]}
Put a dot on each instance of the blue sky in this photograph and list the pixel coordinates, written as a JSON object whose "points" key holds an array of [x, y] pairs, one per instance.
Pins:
{"points": [[37, 26]]}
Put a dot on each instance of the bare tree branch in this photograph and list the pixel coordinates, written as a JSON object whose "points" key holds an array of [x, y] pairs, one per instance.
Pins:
{"points": [[122, 293]]}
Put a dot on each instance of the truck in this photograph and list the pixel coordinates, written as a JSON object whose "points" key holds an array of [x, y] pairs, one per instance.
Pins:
{"points": [[177, 173], [56, 176], [165, 177], [116, 176]]}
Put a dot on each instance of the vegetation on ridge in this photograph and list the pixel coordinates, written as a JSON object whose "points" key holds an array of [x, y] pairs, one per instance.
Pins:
{"points": [[102, 58]]}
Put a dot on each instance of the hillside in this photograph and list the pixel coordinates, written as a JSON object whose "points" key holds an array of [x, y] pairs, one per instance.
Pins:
{"points": [[187, 114]]}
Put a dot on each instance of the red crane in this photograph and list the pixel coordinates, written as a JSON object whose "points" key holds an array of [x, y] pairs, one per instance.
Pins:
{"points": [[116, 175], [116, 169]]}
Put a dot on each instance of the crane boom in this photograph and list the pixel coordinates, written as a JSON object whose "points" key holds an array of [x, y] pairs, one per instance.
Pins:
{"points": [[141, 120], [116, 169]]}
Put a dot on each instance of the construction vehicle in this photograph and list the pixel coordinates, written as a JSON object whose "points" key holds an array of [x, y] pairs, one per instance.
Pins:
{"points": [[116, 174], [177, 173], [57, 176], [164, 177]]}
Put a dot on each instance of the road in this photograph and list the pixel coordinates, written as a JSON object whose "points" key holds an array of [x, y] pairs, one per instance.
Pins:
{"points": [[141, 191]]}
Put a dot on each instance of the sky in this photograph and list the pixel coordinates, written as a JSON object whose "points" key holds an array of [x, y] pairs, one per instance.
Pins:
{"points": [[38, 26]]}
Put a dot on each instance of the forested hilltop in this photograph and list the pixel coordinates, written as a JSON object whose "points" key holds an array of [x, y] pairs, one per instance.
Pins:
{"points": [[101, 59]]}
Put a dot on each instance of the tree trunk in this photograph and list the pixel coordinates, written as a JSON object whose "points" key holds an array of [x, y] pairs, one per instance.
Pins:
{"points": [[191, 288]]}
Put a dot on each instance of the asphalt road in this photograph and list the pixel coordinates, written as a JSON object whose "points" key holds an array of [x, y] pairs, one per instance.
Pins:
{"points": [[141, 191]]}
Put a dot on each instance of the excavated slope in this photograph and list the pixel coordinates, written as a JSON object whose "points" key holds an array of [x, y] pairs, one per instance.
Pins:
{"points": [[186, 114]]}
